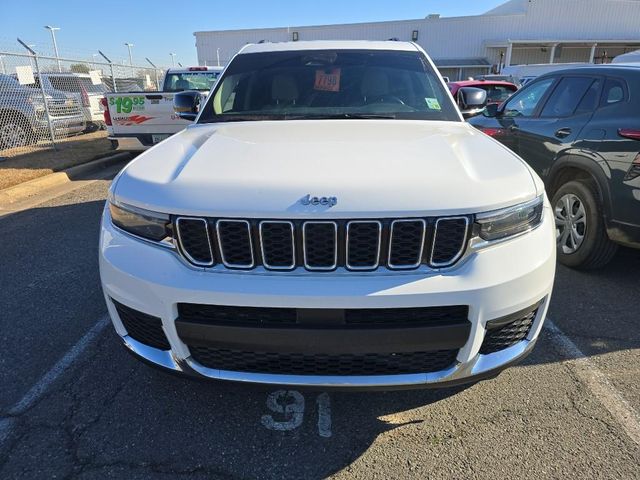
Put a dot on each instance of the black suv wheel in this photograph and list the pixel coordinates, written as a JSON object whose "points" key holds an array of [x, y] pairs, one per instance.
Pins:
{"points": [[581, 232]]}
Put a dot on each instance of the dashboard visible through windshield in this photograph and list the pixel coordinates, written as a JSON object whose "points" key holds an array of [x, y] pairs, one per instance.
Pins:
{"points": [[329, 84]]}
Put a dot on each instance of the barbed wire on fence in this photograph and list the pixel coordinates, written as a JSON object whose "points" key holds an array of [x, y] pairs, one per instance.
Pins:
{"points": [[87, 56]]}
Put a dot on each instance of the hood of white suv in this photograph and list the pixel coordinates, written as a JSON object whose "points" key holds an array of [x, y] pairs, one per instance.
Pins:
{"points": [[379, 168]]}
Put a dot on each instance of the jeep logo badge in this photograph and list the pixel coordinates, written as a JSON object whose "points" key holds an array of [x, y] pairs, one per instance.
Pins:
{"points": [[326, 201]]}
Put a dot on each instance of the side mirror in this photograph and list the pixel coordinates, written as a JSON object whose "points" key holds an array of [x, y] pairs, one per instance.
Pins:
{"points": [[187, 105], [471, 101], [491, 111]]}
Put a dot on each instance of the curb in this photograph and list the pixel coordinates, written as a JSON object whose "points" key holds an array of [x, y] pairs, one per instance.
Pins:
{"points": [[35, 186]]}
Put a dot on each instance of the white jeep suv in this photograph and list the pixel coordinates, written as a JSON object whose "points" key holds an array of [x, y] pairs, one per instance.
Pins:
{"points": [[329, 220]]}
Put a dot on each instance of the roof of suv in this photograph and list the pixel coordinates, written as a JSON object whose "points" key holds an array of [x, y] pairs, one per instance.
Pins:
{"points": [[329, 45], [596, 69], [194, 69]]}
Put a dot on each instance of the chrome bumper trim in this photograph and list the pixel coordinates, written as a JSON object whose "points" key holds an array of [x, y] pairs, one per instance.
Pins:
{"points": [[480, 366], [128, 144]]}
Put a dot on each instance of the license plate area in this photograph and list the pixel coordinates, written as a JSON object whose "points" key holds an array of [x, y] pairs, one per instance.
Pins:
{"points": [[158, 137]]}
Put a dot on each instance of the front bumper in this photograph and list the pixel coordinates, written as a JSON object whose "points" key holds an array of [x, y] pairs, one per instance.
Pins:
{"points": [[494, 282], [128, 144], [68, 125]]}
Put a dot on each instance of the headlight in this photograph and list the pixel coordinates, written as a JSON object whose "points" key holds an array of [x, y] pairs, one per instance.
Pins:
{"points": [[510, 221], [142, 223]]}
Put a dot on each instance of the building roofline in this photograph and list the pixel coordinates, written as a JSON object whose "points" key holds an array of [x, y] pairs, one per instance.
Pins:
{"points": [[502, 43], [352, 24]]}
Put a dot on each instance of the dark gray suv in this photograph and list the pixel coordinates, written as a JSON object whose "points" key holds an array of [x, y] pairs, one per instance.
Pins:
{"points": [[580, 131]]}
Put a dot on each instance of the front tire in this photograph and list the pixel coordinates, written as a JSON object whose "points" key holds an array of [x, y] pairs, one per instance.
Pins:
{"points": [[14, 133], [580, 228]]}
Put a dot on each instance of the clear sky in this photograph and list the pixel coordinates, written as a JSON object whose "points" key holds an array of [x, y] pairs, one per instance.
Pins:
{"points": [[158, 27]]}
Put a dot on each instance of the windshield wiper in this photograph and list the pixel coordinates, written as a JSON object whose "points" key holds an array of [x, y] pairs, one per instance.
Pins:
{"points": [[243, 118], [322, 116], [350, 116]]}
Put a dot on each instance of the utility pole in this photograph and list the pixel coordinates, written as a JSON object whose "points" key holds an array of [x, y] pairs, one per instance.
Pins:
{"points": [[155, 70], [173, 59], [113, 77], [218, 55], [32, 46], [129, 45], [55, 45]]}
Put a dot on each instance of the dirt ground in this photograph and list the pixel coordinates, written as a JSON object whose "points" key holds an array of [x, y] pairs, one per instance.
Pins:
{"points": [[17, 167]]}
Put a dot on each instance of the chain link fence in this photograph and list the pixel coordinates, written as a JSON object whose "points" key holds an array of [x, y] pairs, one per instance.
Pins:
{"points": [[46, 99]]}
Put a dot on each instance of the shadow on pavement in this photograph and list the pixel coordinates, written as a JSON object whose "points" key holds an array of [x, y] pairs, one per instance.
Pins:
{"points": [[598, 309]]}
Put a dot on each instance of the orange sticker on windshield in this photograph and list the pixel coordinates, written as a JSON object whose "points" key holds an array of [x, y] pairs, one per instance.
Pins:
{"points": [[328, 80]]}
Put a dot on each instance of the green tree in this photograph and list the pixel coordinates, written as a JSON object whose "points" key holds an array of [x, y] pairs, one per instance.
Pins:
{"points": [[80, 68]]}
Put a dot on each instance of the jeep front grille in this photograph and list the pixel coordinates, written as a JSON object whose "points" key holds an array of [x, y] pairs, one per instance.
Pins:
{"points": [[319, 245]]}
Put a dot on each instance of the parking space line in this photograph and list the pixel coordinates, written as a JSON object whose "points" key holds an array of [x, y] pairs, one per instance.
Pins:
{"points": [[42, 385], [598, 384]]}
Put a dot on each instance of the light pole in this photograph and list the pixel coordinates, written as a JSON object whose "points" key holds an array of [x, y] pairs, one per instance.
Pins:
{"points": [[93, 64], [129, 45], [55, 45], [173, 59], [218, 55]]}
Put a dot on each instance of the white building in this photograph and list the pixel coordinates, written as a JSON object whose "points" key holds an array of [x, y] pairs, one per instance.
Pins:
{"points": [[517, 32]]}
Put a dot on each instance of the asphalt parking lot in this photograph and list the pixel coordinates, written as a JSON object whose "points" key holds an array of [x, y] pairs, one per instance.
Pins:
{"points": [[75, 404]]}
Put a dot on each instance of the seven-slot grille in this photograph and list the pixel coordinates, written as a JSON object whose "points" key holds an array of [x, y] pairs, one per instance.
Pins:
{"points": [[357, 245]]}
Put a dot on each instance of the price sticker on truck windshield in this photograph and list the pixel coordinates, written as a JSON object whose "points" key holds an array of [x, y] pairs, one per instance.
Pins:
{"points": [[328, 80]]}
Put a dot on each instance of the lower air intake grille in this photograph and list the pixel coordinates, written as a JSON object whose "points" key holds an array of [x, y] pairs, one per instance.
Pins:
{"points": [[142, 327], [230, 315], [359, 317], [418, 316], [506, 335], [301, 364]]}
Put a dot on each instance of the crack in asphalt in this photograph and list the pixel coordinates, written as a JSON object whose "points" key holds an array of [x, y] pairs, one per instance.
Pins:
{"points": [[11, 436]]}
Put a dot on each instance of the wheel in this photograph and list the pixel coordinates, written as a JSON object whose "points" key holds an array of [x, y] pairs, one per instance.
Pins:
{"points": [[580, 229], [14, 133], [91, 127]]}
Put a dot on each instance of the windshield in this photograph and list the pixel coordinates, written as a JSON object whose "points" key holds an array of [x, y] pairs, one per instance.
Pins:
{"points": [[329, 84], [76, 84], [497, 93], [179, 82]]}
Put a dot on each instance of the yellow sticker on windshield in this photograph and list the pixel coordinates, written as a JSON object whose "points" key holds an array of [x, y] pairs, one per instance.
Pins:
{"points": [[433, 103]]}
